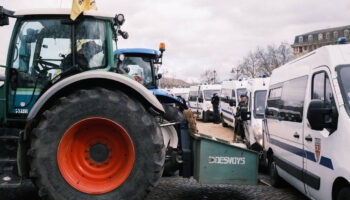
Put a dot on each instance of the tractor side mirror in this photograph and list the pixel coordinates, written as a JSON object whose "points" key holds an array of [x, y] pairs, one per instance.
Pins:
{"points": [[319, 115], [232, 102], [4, 20]]}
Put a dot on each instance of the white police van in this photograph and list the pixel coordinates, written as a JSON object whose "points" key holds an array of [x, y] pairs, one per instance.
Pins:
{"points": [[253, 127], [307, 127], [193, 99], [181, 92], [229, 99], [200, 100]]}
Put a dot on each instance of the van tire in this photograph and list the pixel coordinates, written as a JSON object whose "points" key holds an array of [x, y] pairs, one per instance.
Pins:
{"points": [[113, 106], [275, 179], [344, 194], [205, 116], [223, 123]]}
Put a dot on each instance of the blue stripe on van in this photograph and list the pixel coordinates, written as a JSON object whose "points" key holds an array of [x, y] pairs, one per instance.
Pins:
{"points": [[226, 111], [327, 162]]}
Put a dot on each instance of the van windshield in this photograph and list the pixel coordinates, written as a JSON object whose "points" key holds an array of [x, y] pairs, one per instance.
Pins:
{"points": [[259, 102], [208, 94], [240, 92], [344, 81]]}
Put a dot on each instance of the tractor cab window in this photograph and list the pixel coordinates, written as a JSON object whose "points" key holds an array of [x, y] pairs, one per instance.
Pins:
{"points": [[139, 68], [43, 51]]}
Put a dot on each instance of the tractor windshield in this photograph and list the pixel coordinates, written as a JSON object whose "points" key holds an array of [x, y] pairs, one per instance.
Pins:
{"points": [[140, 68], [42, 51]]}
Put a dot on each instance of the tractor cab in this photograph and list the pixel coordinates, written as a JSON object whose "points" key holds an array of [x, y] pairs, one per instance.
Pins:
{"points": [[141, 65], [47, 46]]}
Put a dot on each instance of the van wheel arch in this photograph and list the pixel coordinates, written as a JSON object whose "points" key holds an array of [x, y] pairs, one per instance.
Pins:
{"points": [[338, 185]]}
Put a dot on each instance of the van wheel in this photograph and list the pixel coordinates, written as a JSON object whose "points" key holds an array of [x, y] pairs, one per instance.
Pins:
{"points": [[205, 116], [275, 179], [344, 194], [224, 124]]}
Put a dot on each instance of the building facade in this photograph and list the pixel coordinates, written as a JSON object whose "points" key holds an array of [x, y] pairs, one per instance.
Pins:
{"points": [[308, 42]]}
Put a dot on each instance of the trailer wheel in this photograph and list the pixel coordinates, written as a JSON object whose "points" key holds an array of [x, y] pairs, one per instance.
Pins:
{"points": [[344, 194], [276, 180], [96, 144]]}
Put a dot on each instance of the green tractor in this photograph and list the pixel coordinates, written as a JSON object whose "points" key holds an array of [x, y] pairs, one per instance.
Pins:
{"points": [[69, 123]]}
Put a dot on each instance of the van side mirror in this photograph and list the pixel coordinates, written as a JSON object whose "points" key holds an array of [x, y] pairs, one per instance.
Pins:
{"points": [[159, 76], [200, 99], [232, 102], [319, 114]]}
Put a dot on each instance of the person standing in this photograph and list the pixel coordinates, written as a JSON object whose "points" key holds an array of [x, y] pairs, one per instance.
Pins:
{"points": [[215, 102], [239, 129]]}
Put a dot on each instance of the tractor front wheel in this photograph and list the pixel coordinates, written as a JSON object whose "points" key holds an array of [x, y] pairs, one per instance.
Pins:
{"points": [[96, 144]]}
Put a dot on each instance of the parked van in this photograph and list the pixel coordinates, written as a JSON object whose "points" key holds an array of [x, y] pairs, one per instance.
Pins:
{"points": [[193, 99], [308, 121], [229, 99], [253, 128], [181, 92], [200, 100]]}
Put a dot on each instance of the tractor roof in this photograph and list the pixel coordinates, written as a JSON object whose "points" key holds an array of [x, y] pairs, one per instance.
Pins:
{"points": [[139, 50], [62, 11]]}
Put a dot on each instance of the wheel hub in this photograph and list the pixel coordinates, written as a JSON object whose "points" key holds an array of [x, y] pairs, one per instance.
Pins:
{"points": [[96, 155], [99, 152]]}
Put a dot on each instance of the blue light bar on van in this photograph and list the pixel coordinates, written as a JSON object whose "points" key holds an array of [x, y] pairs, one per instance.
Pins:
{"points": [[342, 40]]}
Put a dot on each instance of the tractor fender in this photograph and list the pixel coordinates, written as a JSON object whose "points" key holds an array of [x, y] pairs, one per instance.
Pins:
{"points": [[126, 83]]}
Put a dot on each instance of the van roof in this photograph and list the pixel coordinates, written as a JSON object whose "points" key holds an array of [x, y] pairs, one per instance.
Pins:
{"points": [[62, 11], [210, 87], [331, 56]]}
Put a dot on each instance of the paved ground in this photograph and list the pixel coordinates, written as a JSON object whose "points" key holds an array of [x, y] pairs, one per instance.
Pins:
{"points": [[177, 188]]}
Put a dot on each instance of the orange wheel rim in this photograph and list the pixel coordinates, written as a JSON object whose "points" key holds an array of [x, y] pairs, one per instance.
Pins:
{"points": [[96, 155]]}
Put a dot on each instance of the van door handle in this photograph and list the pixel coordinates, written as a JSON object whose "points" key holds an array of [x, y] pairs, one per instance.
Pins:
{"points": [[308, 138], [296, 135]]}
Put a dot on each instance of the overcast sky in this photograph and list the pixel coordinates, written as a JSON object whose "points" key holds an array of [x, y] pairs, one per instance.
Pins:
{"points": [[206, 34]]}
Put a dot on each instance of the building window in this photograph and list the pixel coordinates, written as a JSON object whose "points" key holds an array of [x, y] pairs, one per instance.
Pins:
{"points": [[300, 39], [328, 36], [310, 38], [305, 48], [320, 36], [346, 33], [336, 35], [300, 49]]}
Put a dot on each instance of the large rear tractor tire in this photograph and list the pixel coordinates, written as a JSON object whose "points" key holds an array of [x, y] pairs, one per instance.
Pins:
{"points": [[96, 144]]}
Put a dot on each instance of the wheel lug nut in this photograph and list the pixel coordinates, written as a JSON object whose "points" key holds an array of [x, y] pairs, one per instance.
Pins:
{"points": [[87, 150], [87, 157], [98, 164], [106, 162], [105, 143], [92, 162], [91, 144], [110, 156]]}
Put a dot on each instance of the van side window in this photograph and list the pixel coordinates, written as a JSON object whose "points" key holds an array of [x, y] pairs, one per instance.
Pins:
{"points": [[273, 102], [193, 96], [293, 97], [233, 94]]}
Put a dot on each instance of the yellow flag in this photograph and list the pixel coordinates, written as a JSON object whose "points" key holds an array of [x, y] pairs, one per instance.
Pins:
{"points": [[80, 6]]}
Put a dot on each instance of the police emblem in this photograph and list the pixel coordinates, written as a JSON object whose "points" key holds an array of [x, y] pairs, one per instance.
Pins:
{"points": [[317, 148]]}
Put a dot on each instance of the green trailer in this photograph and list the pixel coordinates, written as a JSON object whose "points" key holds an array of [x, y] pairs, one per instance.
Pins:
{"points": [[217, 161]]}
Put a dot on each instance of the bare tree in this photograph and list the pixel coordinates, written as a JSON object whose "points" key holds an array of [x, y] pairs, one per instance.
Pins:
{"points": [[264, 61], [209, 76]]}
